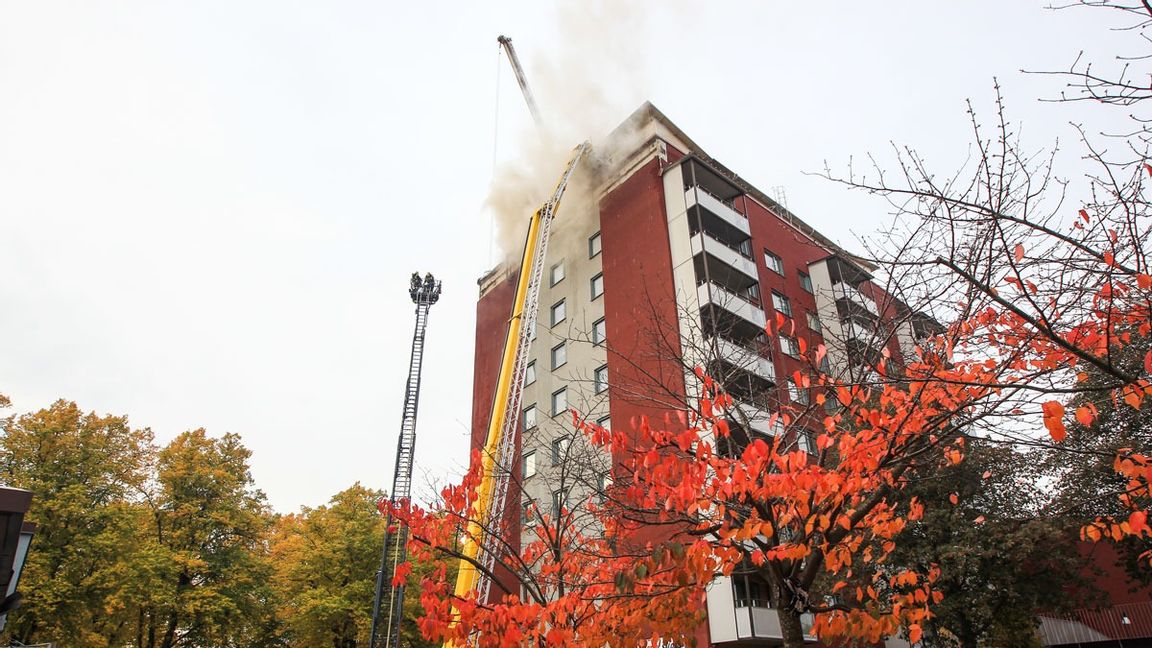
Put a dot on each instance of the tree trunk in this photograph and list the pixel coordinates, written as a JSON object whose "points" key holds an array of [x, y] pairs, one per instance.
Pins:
{"points": [[169, 639], [790, 628]]}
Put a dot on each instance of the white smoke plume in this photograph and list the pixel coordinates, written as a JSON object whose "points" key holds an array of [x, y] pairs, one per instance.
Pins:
{"points": [[586, 82]]}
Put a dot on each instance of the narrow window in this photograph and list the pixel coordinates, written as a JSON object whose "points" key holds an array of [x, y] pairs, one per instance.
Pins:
{"points": [[559, 502], [806, 282], [597, 286], [529, 417], [604, 422], [781, 304], [814, 324], [560, 401], [601, 379], [529, 464], [530, 374], [558, 312], [557, 274], [805, 441], [789, 346], [559, 449], [529, 514], [774, 263], [559, 356], [798, 394], [598, 332], [594, 245]]}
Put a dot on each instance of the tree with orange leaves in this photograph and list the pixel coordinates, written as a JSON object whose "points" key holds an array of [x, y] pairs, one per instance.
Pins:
{"points": [[1039, 296], [572, 583]]}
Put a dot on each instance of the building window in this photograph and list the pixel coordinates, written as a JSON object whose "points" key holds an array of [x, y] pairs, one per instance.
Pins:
{"points": [[774, 263], [604, 422], [598, 332], [559, 449], [560, 401], [594, 245], [601, 379], [557, 274], [530, 373], [805, 441], [789, 346], [529, 417], [559, 502], [605, 484], [781, 304], [797, 393], [806, 282], [559, 356], [597, 286], [814, 324], [529, 464], [529, 514], [558, 313]]}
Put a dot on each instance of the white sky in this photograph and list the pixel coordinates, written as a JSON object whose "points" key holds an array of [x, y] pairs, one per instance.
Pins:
{"points": [[209, 210]]}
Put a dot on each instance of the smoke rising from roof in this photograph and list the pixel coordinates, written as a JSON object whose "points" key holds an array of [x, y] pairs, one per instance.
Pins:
{"points": [[586, 82]]}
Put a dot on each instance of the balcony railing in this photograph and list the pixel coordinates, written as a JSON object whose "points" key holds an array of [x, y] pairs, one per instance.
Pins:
{"points": [[727, 254], [745, 359], [746, 620], [860, 333], [760, 420], [744, 306], [699, 196], [842, 290]]}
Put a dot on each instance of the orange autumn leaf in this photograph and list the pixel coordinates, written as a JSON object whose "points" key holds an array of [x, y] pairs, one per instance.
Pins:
{"points": [[1054, 420], [1085, 415], [1018, 254]]}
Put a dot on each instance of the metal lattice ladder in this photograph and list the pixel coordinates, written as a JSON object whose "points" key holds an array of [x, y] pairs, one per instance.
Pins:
{"points": [[390, 596]]}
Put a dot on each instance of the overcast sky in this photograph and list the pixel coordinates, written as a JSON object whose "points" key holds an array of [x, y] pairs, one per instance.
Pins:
{"points": [[209, 210]]}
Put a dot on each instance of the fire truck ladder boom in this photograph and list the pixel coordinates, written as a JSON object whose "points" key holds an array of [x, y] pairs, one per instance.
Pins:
{"points": [[481, 543], [424, 293]]}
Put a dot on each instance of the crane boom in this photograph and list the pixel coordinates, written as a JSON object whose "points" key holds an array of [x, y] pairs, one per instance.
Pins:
{"points": [[506, 42], [481, 544]]}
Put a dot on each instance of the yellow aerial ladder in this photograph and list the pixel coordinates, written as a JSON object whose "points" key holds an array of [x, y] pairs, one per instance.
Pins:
{"points": [[481, 545]]}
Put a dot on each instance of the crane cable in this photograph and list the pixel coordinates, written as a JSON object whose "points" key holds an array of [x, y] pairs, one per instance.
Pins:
{"points": [[495, 148]]}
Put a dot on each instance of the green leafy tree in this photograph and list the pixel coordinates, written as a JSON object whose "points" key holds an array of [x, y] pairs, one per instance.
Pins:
{"points": [[204, 563], [326, 560], [87, 473], [1088, 486], [1002, 557]]}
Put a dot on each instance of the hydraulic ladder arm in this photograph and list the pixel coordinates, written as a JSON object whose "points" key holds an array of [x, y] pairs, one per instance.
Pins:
{"points": [[480, 544]]}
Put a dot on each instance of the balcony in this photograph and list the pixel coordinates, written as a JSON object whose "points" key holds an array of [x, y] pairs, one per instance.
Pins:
{"points": [[745, 359], [757, 621], [863, 334], [698, 196], [841, 290], [703, 243], [745, 622], [743, 307], [758, 419]]}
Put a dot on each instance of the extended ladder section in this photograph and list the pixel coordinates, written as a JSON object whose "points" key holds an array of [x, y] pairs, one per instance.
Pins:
{"points": [[390, 596], [483, 543]]}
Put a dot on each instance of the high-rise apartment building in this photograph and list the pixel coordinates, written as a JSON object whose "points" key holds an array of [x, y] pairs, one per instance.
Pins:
{"points": [[675, 262]]}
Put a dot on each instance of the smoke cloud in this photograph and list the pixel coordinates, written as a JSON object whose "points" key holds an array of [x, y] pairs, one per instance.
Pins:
{"points": [[586, 82]]}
